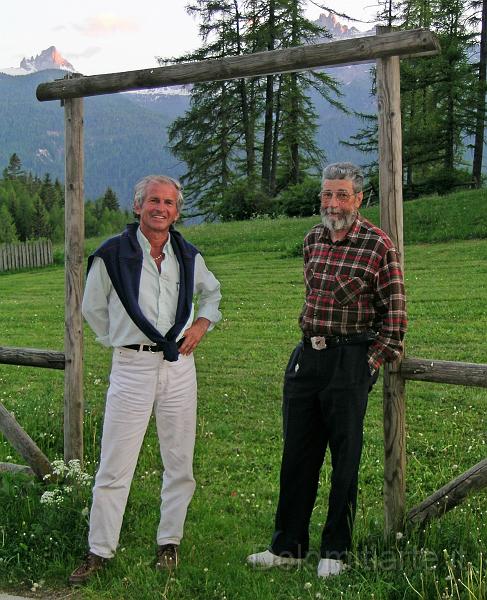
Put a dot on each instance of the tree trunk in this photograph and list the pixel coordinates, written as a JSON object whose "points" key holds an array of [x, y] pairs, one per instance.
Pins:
{"points": [[480, 118], [247, 129], [275, 142], [269, 108]]}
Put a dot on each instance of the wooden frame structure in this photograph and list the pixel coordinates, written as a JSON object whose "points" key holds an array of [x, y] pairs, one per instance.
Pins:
{"points": [[385, 48]]}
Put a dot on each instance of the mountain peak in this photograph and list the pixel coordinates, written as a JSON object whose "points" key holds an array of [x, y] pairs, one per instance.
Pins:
{"points": [[50, 58], [333, 25]]}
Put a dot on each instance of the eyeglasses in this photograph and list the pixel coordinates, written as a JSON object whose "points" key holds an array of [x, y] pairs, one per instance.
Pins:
{"points": [[341, 195]]}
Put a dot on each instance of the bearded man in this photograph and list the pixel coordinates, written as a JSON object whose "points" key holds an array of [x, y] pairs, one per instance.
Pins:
{"points": [[353, 320]]}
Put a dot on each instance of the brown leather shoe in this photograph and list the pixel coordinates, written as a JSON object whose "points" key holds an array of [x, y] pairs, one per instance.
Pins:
{"points": [[167, 557], [91, 565]]}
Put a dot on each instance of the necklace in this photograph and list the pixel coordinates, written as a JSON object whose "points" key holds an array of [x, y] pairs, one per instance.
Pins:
{"points": [[156, 258]]}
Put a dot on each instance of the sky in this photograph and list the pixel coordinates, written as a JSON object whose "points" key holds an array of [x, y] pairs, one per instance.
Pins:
{"points": [[108, 36]]}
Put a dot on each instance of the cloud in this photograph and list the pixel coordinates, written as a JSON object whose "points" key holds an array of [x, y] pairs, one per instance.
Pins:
{"points": [[104, 24], [88, 53]]}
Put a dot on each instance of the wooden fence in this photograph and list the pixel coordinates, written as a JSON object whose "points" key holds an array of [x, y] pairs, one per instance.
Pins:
{"points": [[23, 255]]}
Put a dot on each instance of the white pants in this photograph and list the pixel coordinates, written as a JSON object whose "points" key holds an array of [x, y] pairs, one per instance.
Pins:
{"points": [[142, 382]]}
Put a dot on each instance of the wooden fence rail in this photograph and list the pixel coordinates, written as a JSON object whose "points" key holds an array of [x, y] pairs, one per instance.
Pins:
{"points": [[444, 371], [24, 255], [32, 357], [450, 495]]}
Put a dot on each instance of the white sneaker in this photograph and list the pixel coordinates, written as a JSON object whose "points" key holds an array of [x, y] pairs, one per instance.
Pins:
{"points": [[330, 566], [267, 560]]}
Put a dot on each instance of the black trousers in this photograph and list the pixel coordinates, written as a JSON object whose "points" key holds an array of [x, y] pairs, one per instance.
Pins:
{"points": [[325, 398]]}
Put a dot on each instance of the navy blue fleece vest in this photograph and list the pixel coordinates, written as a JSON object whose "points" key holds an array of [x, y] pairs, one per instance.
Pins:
{"points": [[123, 258]]}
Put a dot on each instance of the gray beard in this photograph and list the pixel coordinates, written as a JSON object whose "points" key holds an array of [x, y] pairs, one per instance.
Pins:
{"points": [[344, 222]]}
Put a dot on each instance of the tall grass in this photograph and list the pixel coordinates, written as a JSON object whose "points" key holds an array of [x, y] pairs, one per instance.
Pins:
{"points": [[240, 367]]}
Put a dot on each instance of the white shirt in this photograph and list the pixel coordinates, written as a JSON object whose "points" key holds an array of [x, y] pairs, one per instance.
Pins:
{"points": [[158, 298]]}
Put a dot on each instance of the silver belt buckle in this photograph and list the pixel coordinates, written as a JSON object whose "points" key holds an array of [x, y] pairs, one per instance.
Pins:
{"points": [[318, 342], [152, 351]]}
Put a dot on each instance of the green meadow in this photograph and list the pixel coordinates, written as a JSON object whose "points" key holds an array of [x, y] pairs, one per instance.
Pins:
{"points": [[240, 368]]}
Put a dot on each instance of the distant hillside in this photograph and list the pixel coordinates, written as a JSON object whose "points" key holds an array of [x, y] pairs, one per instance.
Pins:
{"points": [[124, 140], [126, 134]]}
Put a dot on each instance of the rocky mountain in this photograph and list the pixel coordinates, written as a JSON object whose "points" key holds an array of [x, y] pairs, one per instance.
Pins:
{"points": [[336, 29], [48, 59]]}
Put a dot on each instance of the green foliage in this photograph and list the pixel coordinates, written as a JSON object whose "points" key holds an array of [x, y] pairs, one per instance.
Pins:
{"points": [[239, 433], [243, 200], [110, 200], [300, 200], [8, 232], [34, 208]]}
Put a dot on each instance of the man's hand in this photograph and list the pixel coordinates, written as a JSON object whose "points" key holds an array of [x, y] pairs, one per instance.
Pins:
{"points": [[193, 335]]}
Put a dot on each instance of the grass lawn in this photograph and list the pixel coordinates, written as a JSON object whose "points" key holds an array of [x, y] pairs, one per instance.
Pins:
{"points": [[240, 368]]}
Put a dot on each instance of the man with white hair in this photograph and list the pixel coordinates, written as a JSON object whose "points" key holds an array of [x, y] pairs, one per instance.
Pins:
{"points": [[139, 300], [353, 320]]}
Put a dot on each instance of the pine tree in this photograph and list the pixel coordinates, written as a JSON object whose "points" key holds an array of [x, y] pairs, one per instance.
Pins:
{"points": [[14, 169], [110, 200], [436, 95], [8, 232], [40, 224]]}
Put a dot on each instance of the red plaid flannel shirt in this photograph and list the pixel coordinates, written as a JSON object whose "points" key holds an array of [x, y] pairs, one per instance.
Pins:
{"points": [[353, 286]]}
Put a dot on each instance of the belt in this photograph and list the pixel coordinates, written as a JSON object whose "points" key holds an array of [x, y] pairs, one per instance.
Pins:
{"points": [[320, 342], [146, 348]]}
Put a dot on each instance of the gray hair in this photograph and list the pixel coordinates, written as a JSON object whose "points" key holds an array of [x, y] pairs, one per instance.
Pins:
{"points": [[140, 190], [345, 170]]}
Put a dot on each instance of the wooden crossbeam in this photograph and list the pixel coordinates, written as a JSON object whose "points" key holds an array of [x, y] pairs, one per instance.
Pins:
{"points": [[397, 43]]}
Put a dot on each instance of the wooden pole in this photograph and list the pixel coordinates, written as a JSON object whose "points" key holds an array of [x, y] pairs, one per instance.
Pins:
{"points": [[368, 48], [450, 495], [391, 216], [24, 444], [74, 245]]}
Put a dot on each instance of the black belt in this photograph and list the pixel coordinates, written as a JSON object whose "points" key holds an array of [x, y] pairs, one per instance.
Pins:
{"points": [[154, 348], [342, 340]]}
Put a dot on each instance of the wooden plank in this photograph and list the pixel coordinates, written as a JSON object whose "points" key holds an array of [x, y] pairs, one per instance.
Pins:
{"points": [[12, 468], [450, 495], [31, 357], [74, 245], [24, 444], [391, 215], [444, 371], [286, 60]]}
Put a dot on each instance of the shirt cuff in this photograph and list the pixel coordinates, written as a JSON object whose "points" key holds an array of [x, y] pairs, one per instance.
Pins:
{"points": [[375, 361], [211, 315]]}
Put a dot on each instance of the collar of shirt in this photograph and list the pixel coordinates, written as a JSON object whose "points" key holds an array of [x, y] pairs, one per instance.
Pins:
{"points": [[352, 234], [146, 247]]}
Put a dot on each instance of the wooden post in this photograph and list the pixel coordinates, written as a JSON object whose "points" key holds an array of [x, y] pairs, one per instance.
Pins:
{"points": [[74, 245], [391, 216]]}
